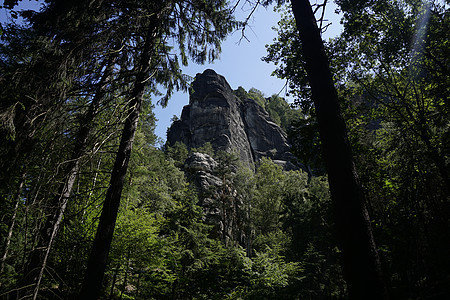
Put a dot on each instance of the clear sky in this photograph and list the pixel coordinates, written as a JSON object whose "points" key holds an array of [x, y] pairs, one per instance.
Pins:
{"points": [[240, 62]]}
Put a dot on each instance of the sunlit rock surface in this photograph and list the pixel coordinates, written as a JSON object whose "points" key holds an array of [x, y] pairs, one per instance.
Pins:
{"points": [[216, 115]]}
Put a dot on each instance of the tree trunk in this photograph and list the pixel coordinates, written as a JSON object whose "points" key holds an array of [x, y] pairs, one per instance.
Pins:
{"points": [[97, 262], [362, 269], [38, 257], [13, 221], [113, 284], [125, 280]]}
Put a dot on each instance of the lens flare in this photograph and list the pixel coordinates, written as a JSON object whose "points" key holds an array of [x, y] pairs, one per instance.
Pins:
{"points": [[418, 43]]}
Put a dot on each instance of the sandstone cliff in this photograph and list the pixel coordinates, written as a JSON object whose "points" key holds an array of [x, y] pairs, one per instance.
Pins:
{"points": [[216, 115]]}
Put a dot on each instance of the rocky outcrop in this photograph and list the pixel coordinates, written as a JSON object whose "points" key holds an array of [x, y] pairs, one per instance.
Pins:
{"points": [[213, 115], [230, 124], [216, 115], [200, 169], [266, 138], [221, 204]]}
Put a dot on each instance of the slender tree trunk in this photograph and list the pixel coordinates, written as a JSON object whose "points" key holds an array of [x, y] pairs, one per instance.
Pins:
{"points": [[113, 284], [97, 262], [362, 268], [13, 221], [39, 256], [125, 280], [138, 285]]}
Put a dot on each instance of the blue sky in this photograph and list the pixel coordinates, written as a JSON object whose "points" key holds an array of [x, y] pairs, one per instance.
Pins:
{"points": [[240, 62]]}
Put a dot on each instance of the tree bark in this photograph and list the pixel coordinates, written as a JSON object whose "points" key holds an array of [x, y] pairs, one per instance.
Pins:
{"points": [[97, 262], [362, 268]]}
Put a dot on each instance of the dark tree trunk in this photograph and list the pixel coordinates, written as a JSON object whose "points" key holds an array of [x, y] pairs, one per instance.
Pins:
{"points": [[362, 269], [38, 257], [97, 262]]}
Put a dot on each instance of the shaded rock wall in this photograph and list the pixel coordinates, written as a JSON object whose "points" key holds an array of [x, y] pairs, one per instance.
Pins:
{"points": [[222, 206]]}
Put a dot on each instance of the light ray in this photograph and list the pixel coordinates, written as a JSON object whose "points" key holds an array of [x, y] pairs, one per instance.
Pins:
{"points": [[419, 39]]}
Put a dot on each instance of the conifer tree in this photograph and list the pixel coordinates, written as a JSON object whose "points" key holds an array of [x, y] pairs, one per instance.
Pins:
{"points": [[160, 22]]}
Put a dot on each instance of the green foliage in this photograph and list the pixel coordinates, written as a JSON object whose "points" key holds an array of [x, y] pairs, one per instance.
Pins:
{"points": [[291, 217], [308, 220], [267, 200], [76, 65], [306, 146], [207, 148], [390, 66], [257, 95], [286, 54], [241, 93], [269, 275], [278, 109], [401, 77], [178, 153]]}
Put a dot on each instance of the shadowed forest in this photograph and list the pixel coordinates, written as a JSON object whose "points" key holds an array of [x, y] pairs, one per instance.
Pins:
{"points": [[92, 208]]}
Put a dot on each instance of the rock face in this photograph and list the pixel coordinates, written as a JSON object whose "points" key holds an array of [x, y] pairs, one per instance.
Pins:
{"points": [[216, 115], [222, 206]]}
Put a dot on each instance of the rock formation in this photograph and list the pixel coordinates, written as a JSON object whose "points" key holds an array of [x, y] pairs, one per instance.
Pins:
{"points": [[216, 115], [222, 207], [230, 124]]}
